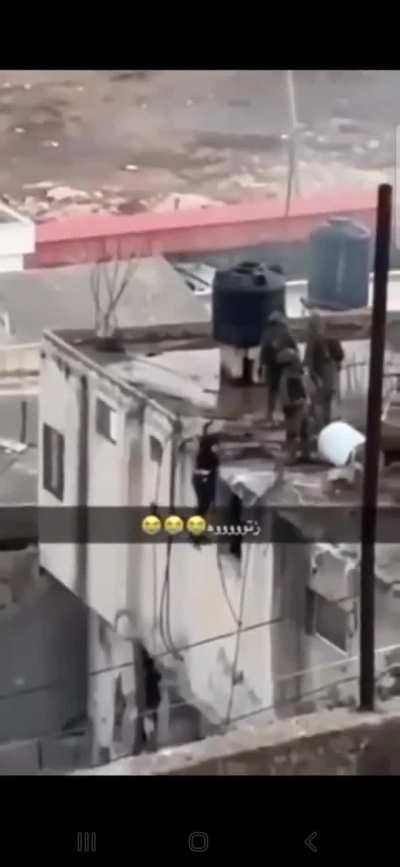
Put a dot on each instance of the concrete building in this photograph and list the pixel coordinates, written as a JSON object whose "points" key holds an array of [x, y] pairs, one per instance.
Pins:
{"points": [[17, 239], [233, 629], [43, 628]]}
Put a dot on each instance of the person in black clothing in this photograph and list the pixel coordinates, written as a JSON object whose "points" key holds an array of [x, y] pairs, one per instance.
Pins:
{"points": [[205, 473], [152, 699], [275, 339]]}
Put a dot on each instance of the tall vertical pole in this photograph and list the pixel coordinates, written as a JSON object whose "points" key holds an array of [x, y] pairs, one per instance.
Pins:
{"points": [[293, 126], [372, 450], [293, 175]]}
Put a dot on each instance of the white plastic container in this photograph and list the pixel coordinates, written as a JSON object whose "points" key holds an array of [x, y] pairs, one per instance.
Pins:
{"points": [[337, 442]]}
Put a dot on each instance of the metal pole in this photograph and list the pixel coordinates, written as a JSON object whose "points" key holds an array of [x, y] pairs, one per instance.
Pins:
{"points": [[293, 127], [372, 449]]}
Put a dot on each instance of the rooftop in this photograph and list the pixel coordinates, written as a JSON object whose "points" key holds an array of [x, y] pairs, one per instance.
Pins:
{"points": [[182, 373], [61, 298], [185, 380]]}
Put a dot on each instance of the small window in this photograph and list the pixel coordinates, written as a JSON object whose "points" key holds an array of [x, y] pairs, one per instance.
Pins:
{"points": [[106, 421], [327, 619], [155, 450], [53, 461]]}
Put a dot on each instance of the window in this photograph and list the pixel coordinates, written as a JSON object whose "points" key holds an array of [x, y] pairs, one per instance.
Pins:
{"points": [[106, 421], [155, 450], [327, 619], [53, 461]]}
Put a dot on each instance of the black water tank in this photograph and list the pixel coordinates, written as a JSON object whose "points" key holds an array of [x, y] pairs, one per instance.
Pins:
{"points": [[339, 264], [243, 298]]}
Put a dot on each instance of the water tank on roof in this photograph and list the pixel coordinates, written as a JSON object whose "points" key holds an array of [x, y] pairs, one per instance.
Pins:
{"points": [[339, 265], [243, 298]]}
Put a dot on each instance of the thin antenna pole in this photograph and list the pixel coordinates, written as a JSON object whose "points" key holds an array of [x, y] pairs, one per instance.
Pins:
{"points": [[372, 449], [293, 175]]}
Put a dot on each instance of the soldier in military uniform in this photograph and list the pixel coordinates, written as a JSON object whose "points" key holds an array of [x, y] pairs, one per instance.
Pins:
{"points": [[276, 337], [295, 401], [323, 359]]}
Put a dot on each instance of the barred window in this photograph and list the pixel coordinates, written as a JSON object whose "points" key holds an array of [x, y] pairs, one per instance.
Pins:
{"points": [[155, 450], [53, 461], [106, 421]]}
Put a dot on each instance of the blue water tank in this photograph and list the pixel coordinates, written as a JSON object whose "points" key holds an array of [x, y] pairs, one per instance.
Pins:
{"points": [[243, 298], [339, 265]]}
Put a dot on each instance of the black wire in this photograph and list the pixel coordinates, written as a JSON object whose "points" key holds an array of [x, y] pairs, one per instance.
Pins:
{"points": [[164, 586], [165, 602], [174, 464], [124, 665], [238, 636], [224, 587]]}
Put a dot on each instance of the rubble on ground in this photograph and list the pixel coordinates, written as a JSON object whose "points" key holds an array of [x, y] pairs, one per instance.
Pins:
{"points": [[63, 194], [50, 200], [184, 201]]}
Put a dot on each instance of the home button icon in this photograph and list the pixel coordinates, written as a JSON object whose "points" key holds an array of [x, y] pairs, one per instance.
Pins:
{"points": [[198, 841]]}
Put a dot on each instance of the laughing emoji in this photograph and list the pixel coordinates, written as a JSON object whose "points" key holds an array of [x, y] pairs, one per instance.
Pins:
{"points": [[196, 525], [173, 525], [151, 525]]}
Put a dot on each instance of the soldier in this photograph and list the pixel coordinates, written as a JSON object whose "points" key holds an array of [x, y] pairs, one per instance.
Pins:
{"points": [[295, 404], [205, 471], [147, 727], [323, 359], [276, 337]]}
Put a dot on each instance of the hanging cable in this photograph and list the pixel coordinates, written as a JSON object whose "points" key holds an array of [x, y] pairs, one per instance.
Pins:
{"points": [[238, 635], [224, 588], [125, 665], [165, 603]]}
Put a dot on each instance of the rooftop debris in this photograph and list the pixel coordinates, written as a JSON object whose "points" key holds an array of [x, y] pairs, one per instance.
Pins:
{"points": [[184, 202], [12, 446], [62, 194]]}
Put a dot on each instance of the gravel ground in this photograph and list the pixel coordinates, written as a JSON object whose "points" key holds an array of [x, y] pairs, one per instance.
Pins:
{"points": [[211, 134]]}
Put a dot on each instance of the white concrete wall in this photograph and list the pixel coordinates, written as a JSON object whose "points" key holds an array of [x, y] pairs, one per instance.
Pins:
{"points": [[107, 566], [132, 577], [110, 657], [10, 264], [19, 358], [17, 239], [59, 407], [198, 607], [111, 482]]}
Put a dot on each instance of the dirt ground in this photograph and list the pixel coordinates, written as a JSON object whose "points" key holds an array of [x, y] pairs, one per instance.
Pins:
{"points": [[214, 134]]}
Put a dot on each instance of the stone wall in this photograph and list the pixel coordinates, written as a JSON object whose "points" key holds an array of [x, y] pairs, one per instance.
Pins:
{"points": [[328, 743]]}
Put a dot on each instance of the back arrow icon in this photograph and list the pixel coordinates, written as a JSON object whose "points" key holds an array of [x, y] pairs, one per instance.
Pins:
{"points": [[309, 842]]}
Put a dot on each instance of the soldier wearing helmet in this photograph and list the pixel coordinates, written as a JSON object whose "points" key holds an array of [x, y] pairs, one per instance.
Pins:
{"points": [[323, 359], [294, 399], [275, 339]]}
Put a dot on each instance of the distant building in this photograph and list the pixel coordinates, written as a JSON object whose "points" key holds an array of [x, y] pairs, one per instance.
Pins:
{"points": [[17, 239]]}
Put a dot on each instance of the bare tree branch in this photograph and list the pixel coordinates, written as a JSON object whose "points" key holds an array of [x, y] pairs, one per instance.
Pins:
{"points": [[114, 276]]}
